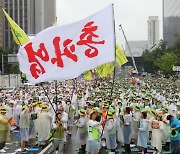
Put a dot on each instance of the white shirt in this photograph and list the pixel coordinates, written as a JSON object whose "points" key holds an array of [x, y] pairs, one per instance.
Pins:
{"points": [[92, 124]]}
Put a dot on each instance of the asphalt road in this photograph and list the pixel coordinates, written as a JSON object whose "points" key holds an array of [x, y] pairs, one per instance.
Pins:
{"points": [[68, 149]]}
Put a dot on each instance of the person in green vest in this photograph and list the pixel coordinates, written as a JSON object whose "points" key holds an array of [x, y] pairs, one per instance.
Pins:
{"points": [[58, 135], [94, 129], [70, 109], [4, 129]]}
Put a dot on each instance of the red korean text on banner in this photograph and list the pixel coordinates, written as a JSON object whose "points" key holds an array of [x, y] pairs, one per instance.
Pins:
{"points": [[86, 38], [68, 51], [36, 67]]}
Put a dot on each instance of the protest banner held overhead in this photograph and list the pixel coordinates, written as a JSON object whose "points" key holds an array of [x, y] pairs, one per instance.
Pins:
{"points": [[65, 51]]}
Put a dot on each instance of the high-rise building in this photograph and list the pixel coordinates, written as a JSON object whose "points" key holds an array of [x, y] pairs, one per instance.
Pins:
{"points": [[41, 15], [153, 30], [171, 20], [17, 10], [1, 25], [31, 15]]}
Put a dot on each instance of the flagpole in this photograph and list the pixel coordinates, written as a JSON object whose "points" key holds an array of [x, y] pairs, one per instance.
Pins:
{"points": [[48, 98], [114, 53], [129, 48], [74, 86], [55, 111], [56, 94]]}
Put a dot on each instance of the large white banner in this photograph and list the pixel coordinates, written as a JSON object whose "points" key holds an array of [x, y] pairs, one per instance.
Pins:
{"points": [[66, 51]]}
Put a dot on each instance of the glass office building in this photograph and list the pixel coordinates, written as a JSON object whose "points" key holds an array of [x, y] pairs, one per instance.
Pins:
{"points": [[171, 20], [31, 15], [1, 25]]}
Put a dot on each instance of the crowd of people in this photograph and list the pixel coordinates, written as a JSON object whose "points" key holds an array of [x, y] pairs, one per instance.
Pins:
{"points": [[106, 113]]}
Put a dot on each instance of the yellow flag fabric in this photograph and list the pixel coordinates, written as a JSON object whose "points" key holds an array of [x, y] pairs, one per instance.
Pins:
{"points": [[88, 75], [105, 70], [23, 76], [68, 82], [108, 68], [99, 70], [120, 56], [55, 22], [19, 35]]}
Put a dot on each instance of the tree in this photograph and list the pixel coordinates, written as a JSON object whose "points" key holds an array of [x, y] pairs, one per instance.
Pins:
{"points": [[150, 57], [163, 58], [166, 62]]}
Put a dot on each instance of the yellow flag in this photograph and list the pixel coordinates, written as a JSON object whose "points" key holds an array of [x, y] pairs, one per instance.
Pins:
{"points": [[55, 22], [88, 75], [68, 82], [107, 69], [19, 35], [99, 70], [120, 56]]}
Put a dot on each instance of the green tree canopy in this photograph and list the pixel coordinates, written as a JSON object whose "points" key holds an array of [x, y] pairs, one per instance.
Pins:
{"points": [[166, 62], [163, 57]]}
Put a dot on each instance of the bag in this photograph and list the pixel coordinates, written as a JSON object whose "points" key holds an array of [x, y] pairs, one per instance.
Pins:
{"points": [[34, 116]]}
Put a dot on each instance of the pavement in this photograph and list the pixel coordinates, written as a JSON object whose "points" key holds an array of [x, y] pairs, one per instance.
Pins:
{"points": [[69, 148]]}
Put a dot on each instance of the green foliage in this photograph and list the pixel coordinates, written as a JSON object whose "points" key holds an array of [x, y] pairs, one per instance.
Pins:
{"points": [[149, 61], [166, 62], [163, 58]]}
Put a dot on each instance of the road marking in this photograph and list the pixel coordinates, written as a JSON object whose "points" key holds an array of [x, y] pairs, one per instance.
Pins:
{"points": [[46, 148]]}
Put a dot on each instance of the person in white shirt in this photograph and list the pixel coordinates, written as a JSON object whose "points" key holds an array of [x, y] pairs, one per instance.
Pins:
{"points": [[143, 132], [64, 120], [81, 134], [110, 132], [94, 127], [127, 129], [44, 125], [70, 109]]}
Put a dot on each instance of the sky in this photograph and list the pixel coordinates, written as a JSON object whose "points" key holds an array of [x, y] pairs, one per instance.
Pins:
{"points": [[131, 14]]}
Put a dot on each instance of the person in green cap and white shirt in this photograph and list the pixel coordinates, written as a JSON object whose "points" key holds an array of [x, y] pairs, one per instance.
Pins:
{"points": [[143, 132], [24, 127], [81, 134], [119, 117], [44, 127], [165, 133], [127, 128], [94, 132], [4, 129], [135, 123], [110, 132], [70, 109]]}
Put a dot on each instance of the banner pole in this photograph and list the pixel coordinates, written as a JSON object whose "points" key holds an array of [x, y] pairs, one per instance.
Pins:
{"points": [[114, 53], [51, 106], [48, 98], [56, 94], [74, 86]]}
